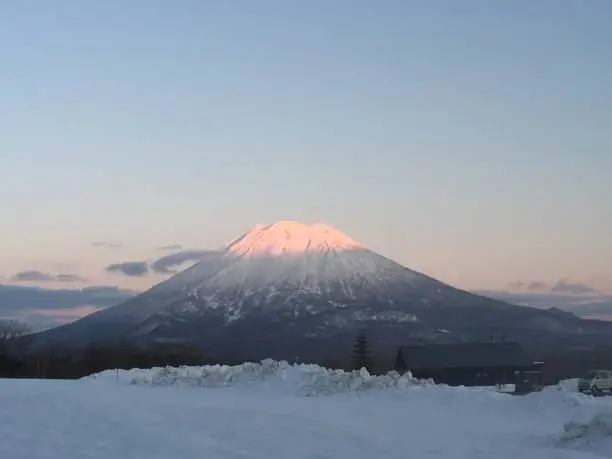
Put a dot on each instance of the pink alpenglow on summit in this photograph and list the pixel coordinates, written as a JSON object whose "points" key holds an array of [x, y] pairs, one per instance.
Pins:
{"points": [[288, 237]]}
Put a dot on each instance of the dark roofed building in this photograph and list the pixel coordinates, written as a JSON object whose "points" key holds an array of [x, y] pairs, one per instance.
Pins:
{"points": [[470, 364], [9, 367]]}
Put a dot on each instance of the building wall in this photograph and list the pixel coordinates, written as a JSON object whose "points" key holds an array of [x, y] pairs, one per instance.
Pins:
{"points": [[469, 376]]}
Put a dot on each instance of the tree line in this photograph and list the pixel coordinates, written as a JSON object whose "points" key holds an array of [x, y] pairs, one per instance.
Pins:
{"points": [[19, 359]]}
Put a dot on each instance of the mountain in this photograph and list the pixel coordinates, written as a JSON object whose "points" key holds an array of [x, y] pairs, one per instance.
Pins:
{"points": [[289, 290]]}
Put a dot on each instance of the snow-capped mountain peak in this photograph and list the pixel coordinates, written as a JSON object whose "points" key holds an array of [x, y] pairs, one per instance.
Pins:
{"points": [[290, 237], [289, 290]]}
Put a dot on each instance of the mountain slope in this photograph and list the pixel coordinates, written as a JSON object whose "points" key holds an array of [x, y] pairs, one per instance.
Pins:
{"points": [[290, 290]]}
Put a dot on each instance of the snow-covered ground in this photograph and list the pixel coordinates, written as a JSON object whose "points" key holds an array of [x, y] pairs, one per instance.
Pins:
{"points": [[276, 411]]}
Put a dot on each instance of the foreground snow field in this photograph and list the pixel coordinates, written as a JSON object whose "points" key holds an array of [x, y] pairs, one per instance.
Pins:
{"points": [[278, 411]]}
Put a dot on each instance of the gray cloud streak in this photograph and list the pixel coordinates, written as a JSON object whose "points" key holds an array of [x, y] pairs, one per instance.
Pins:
{"points": [[533, 286], [129, 268], [166, 264], [39, 276], [36, 305], [586, 307], [563, 286], [537, 285]]}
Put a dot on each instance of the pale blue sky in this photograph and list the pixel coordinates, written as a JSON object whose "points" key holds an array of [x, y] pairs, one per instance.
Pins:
{"points": [[470, 140]]}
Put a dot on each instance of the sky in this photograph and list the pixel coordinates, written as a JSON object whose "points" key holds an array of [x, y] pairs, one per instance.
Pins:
{"points": [[467, 140]]}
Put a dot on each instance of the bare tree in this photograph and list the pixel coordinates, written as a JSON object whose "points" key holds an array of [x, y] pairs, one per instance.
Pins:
{"points": [[43, 361], [14, 334], [11, 329]]}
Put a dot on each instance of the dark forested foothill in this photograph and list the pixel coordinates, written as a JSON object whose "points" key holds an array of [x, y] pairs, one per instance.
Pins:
{"points": [[19, 359]]}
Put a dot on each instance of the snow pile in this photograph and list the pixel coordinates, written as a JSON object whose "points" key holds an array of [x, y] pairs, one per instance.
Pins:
{"points": [[586, 433], [306, 380], [570, 385], [552, 400], [590, 427], [257, 414]]}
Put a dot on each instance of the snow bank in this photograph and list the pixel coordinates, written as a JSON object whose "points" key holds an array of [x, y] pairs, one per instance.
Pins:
{"points": [[307, 380], [597, 428], [100, 419], [580, 434]]}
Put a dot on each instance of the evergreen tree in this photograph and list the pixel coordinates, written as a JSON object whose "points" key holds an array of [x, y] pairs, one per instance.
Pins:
{"points": [[361, 351]]}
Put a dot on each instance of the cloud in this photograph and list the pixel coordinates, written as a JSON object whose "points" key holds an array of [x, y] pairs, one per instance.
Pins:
{"points": [[42, 308], [31, 276], [129, 268], [107, 245], [166, 264], [532, 286], [39, 276], [69, 313], [564, 286], [594, 307], [41, 319], [537, 285], [69, 278], [171, 247], [516, 285]]}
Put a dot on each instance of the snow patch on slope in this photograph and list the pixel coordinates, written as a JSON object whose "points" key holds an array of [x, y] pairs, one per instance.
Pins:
{"points": [[292, 258]]}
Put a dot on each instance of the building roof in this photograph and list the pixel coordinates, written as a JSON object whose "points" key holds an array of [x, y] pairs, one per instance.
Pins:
{"points": [[471, 355]]}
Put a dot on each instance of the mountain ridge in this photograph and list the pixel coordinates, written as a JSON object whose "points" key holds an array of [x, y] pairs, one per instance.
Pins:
{"points": [[293, 290]]}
